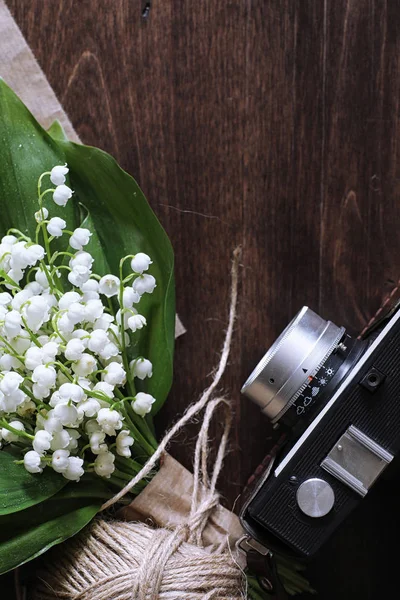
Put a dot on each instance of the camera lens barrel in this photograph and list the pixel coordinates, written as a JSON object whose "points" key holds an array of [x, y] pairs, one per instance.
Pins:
{"points": [[292, 362]]}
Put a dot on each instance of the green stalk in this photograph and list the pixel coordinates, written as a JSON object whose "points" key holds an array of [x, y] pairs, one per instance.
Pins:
{"points": [[4, 423]]}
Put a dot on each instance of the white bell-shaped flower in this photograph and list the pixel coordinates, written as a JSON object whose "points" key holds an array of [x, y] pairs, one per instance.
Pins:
{"points": [[64, 324], [67, 414], [97, 441], [55, 226], [71, 391], [103, 322], [76, 313], [20, 298], [41, 441], [9, 240], [75, 469], [22, 342], [32, 462], [81, 258], [10, 403], [44, 375], [19, 256], [136, 322], [10, 382], [104, 388], [142, 403], [124, 441], [90, 290], [34, 357], [41, 279], [74, 349], [40, 391], [98, 339], [90, 407], [5, 299], [51, 423], [94, 308], [79, 238], [62, 194], [144, 284], [91, 426], [86, 365], [36, 312], [59, 460], [104, 464], [114, 374], [50, 350], [12, 324], [109, 285], [61, 440], [35, 288], [16, 275], [79, 275], [67, 299], [141, 262], [109, 420], [110, 350], [34, 254], [41, 215], [130, 297], [141, 368], [58, 173]]}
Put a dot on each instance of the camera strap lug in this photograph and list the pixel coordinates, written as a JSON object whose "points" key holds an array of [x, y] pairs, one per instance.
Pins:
{"points": [[261, 563]]}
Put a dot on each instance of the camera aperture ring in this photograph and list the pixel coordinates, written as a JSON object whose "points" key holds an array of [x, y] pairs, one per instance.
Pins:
{"points": [[283, 373]]}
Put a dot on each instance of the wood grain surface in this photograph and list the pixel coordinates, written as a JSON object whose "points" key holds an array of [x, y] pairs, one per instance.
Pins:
{"points": [[273, 125]]}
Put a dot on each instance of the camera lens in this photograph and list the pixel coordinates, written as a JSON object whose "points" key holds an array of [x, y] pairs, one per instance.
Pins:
{"points": [[300, 367]]}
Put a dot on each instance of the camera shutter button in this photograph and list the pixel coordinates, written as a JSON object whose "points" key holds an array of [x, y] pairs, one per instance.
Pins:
{"points": [[315, 497]]}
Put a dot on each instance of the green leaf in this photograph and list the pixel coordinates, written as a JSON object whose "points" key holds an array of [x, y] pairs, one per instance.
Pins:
{"points": [[124, 223], [20, 489], [26, 151], [56, 131], [38, 528]]}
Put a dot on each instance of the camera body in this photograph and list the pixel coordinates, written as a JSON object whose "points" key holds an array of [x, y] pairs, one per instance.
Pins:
{"points": [[340, 399]]}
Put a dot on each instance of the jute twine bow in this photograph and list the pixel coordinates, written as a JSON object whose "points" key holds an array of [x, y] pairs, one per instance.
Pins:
{"points": [[117, 560]]}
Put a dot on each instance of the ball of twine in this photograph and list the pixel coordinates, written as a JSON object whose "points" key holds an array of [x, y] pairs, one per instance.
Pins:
{"points": [[118, 560], [132, 561]]}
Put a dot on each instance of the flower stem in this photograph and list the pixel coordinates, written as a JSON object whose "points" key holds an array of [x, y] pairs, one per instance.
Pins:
{"points": [[18, 432]]}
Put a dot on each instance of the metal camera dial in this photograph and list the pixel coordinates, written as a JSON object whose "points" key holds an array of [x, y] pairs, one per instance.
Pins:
{"points": [[291, 364]]}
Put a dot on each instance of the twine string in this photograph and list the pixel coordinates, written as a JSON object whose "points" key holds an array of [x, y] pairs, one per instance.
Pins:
{"points": [[198, 406]]}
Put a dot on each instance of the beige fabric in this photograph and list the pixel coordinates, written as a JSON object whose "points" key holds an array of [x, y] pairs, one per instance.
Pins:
{"points": [[166, 501], [21, 71]]}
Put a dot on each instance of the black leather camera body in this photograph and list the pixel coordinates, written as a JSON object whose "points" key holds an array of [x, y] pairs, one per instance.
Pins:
{"points": [[339, 400]]}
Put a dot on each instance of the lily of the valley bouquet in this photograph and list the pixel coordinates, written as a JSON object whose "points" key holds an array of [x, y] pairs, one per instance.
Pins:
{"points": [[86, 332], [87, 323]]}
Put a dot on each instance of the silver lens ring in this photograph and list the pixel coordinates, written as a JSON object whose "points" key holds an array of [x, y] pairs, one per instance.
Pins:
{"points": [[297, 354]]}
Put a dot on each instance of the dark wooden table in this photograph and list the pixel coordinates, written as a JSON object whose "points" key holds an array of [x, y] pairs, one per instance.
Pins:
{"points": [[274, 125]]}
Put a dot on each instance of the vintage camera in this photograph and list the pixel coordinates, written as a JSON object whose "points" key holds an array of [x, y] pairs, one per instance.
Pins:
{"points": [[338, 399]]}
